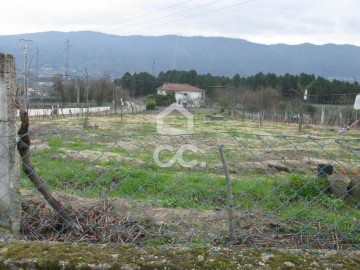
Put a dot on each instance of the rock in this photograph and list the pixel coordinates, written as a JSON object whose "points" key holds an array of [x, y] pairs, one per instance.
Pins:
{"points": [[355, 186], [214, 117], [324, 169], [289, 264], [277, 165], [200, 258], [339, 184]]}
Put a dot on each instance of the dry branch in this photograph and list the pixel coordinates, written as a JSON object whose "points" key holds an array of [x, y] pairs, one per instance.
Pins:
{"points": [[23, 147], [98, 224]]}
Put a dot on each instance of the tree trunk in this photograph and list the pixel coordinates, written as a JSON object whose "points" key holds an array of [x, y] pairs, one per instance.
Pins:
{"points": [[23, 147], [301, 120]]}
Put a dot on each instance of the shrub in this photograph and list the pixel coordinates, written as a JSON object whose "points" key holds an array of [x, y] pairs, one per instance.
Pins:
{"points": [[163, 100], [150, 104], [311, 109], [304, 187]]}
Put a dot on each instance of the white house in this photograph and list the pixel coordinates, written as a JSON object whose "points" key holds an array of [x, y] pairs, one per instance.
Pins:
{"points": [[185, 94]]}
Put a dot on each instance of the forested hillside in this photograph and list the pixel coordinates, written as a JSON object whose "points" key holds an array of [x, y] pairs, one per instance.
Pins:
{"points": [[114, 55]]}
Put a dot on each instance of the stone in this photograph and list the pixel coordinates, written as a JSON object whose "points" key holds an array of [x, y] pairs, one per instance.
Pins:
{"points": [[354, 189], [289, 264], [339, 184]]}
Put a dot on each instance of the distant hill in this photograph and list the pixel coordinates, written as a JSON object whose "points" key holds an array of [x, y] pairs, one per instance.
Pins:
{"points": [[114, 55]]}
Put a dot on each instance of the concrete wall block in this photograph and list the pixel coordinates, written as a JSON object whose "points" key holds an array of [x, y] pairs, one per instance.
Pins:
{"points": [[10, 208]]}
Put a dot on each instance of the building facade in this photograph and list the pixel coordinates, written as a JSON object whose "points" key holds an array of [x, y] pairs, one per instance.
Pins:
{"points": [[186, 95]]}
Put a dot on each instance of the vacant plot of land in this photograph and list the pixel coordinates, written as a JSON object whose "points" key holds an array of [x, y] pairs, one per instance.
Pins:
{"points": [[278, 200]]}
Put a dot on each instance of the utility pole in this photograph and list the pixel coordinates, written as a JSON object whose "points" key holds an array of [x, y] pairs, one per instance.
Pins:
{"points": [[261, 104], [115, 88], [78, 92], [37, 61], [153, 67], [86, 87], [26, 69], [67, 61], [86, 123]]}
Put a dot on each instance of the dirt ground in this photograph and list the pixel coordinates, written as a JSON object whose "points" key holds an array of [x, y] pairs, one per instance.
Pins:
{"points": [[128, 221]]}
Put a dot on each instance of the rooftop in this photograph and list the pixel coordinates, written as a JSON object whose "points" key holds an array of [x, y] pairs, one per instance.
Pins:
{"points": [[183, 87]]}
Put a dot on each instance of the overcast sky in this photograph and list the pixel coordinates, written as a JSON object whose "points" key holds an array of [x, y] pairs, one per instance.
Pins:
{"points": [[262, 21]]}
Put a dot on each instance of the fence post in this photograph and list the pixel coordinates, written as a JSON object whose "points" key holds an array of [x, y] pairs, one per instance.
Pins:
{"points": [[10, 208], [229, 194]]}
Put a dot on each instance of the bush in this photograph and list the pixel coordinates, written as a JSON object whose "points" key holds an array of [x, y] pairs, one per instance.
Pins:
{"points": [[311, 109], [163, 100], [150, 104], [299, 186]]}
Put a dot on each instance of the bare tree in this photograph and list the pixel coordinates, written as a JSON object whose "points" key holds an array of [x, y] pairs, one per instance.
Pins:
{"points": [[229, 99], [302, 92], [23, 147], [261, 100], [59, 87]]}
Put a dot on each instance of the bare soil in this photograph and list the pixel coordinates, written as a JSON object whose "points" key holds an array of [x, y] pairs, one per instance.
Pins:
{"points": [[128, 221]]}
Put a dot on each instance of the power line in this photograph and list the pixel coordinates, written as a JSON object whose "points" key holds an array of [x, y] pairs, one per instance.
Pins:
{"points": [[172, 14], [193, 16], [61, 74], [37, 60], [67, 43], [145, 14]]}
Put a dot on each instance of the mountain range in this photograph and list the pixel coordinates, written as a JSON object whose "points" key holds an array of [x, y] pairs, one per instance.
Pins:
{"points": [[114, 55]]}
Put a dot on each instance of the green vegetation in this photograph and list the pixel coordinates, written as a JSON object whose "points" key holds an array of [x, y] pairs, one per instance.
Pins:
{"points": [[260, 91], [39, 255], [163, 100], [117, 161], [143, 84], [150, 103]]}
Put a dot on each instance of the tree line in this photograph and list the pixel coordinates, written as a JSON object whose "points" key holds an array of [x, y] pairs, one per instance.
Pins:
{"points": [[287, 86], [319, 89], [86, 91]]}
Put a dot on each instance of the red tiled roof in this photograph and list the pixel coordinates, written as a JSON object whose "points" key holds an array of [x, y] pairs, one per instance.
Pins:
{"points": [[183, 87]]}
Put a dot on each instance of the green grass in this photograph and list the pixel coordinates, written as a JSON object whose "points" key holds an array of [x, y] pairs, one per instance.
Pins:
{"points": [[292, 197], [300, 200]]}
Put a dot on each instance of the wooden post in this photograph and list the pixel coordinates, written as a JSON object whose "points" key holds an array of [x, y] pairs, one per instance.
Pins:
{"points": [[229, 194]]}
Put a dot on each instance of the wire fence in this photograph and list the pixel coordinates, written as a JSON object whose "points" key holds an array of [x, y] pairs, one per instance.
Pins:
{"points": [[212, 188]]}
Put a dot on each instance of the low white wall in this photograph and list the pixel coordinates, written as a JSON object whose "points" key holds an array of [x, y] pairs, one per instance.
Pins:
{"points": [[67, 111]]}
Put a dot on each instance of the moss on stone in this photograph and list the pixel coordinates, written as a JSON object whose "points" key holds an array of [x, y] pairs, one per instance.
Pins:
{"points": [[54, 256]]}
